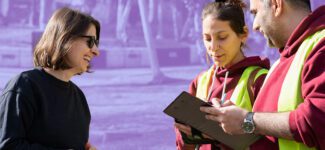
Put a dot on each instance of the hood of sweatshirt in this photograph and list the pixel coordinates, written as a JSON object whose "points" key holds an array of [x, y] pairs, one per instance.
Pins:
{"points": [[238, 68], [311, 24]]}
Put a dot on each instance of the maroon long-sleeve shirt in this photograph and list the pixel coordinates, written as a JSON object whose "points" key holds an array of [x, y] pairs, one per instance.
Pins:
{"points": [[307, 122]]}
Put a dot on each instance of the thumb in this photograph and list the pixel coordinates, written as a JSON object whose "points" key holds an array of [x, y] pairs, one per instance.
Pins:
{"points": [[216, 102], [227, 103]]}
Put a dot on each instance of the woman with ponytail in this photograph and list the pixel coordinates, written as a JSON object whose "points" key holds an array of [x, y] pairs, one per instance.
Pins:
{"points": [[224, 35]]}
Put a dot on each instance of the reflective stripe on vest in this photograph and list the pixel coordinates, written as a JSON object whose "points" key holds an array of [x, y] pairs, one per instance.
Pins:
{"points": [[203, 84], [290, 94], [240, 96]]}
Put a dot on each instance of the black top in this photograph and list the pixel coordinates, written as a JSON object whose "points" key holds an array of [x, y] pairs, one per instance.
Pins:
{"points": [[39, 111]]}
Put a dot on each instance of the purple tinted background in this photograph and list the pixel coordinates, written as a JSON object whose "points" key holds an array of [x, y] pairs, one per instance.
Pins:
{"points": [[150, 51]]}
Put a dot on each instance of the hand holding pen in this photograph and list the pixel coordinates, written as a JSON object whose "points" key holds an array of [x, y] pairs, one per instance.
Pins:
{"points": [[225, 113]]}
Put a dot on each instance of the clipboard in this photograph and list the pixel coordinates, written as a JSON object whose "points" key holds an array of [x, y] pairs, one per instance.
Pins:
{"points": [[186, 109]]}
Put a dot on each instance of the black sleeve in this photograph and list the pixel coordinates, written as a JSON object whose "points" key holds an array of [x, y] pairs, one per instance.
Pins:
{"points": [[16, 115]]}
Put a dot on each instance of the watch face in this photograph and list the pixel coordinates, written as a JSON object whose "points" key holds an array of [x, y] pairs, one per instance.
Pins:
{"points": [[248, 127]]}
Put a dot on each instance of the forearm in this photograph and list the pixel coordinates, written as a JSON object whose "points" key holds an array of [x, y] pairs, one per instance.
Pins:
{"points": [[273, 124]]}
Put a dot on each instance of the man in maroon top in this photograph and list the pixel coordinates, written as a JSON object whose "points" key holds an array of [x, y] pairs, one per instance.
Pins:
{"points": [[285, 24]]}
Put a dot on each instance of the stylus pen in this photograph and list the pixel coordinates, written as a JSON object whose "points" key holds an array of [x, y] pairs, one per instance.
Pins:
{"points": [[224, 94]]}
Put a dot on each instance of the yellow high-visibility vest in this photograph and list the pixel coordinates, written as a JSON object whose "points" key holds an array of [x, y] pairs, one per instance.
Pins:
{"points": [[290, 94], [240, 96]]}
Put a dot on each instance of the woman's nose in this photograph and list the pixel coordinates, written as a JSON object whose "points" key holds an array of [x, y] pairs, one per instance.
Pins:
{"points": [[95, 51], [214, 46]]}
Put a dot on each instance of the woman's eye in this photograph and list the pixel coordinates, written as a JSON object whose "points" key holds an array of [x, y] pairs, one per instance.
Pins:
{"points": [[207, 39], [223, 37]]}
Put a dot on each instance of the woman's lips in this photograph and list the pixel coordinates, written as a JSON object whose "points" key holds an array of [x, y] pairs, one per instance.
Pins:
{"points": [[217, 57]]}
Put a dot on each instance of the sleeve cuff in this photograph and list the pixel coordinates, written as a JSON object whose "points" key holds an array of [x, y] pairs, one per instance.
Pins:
{"points": [[293, 126]]}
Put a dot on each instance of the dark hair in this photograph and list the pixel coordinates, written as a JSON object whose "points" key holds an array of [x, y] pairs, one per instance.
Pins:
{"points": [[63, 28], [296, 3], [227, 10], [300, 3]]}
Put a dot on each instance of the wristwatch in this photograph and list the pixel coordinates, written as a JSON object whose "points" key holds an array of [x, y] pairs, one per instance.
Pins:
{"points": [[248, 125]]}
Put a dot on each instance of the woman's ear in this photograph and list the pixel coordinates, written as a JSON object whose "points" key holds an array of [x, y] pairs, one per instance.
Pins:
{"points": [[245, 34]]}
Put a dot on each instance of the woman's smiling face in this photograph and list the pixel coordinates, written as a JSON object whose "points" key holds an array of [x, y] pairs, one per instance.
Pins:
{"points": [[80, 54]]}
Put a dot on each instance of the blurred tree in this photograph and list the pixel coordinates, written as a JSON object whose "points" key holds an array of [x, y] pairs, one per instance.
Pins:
{"points": [[158, 76], [123, 13], [4, 9]]}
